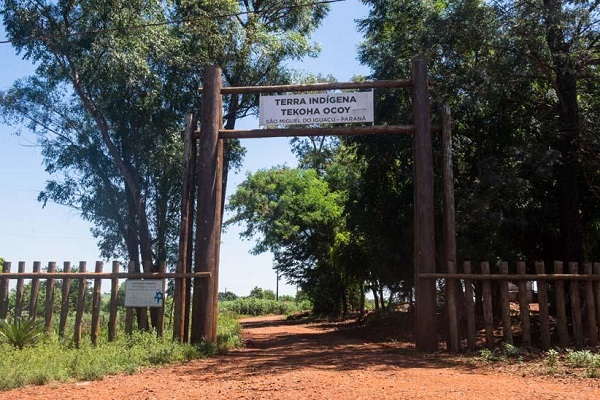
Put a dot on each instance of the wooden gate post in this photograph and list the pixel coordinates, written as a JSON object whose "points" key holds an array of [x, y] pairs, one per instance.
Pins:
{"points": [[452, 289], [425, 303], [180, 323], [208, 221]]}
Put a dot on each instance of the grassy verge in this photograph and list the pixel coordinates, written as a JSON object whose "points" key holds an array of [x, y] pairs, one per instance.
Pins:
{"points": [[55, 360], [255, 307]]}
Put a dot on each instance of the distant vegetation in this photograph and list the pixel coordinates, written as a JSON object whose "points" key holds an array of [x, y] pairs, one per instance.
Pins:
{"points": [[261, 302]]}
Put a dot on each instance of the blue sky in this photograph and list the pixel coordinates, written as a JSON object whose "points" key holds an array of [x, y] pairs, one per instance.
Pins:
{"points": [[56, 233]]}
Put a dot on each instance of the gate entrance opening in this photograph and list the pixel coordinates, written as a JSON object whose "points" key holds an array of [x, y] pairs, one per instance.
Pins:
{"points": [[203, 250]]}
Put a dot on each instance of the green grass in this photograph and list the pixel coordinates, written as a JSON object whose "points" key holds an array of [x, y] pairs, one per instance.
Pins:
{"points": [[253, 306], [58, 360]]}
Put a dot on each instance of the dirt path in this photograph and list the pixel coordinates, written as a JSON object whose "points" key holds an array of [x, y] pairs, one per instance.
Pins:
{"points": [[286, 360]]}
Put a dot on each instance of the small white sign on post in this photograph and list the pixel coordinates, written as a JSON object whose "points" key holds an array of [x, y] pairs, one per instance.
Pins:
{"points": [[321, 108], [144, 293]]}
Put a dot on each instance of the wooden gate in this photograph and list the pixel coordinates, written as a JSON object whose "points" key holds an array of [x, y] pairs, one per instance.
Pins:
{"points": [[205, 250]]}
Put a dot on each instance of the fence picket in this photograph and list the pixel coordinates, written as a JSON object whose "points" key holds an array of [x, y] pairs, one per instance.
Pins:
{"points": [[35, 288], [505, 303], [49, 299], [80, 304], [114, 307], [544, 313], [561, 312], [4, 290], [524, 307], [590, 307], [64, 305], [470, 307], [488, 315], [19, 296], [576, 308], [95, 331]]}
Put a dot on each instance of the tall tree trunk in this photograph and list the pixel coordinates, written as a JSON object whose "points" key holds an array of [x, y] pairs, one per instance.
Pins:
{"points": [[568, 118]]}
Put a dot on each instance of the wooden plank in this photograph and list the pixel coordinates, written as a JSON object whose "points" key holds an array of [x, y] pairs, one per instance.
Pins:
{"points": [[424, 238], [316, 87], [505, 305], [596, 271], [470, 307], [488, 314], [207, 224], [576, 308], [449, 230], [49, 306], [524, 307], [64, 305], [35, 288], [561, 312], [80, 305], [302, 132], [590, 307], [95, 328], [108, 275], [513, 277], [4, 290], [114, 306], [20, 294], [544, 313]]}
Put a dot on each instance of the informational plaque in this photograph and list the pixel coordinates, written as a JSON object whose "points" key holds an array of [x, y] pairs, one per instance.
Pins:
{"points": [[321, 108], [144, 293]]}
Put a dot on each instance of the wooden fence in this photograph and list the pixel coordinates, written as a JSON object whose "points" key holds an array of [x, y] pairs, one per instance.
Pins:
{"points": [[565, 313], [82, 276]]}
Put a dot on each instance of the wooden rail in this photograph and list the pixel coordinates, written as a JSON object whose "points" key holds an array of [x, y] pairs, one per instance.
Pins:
{"points": [[579, 291], [82, 277]]}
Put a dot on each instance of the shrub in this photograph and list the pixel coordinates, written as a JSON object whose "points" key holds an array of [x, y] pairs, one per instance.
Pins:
{"points": [[21, 333]]}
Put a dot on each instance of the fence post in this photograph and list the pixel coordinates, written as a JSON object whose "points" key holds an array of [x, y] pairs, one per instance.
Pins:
{"points": [[505, 304], [544, 314], [576, 308], [470, 307], [488, 314], [64, 307], [590, 306], [524, 306], [187, 202], [80, 304], [160, 323], [95, 329], [129, 310], [4, 290], [114, 307], [449, 230], [20, 289], [35, 288], [49, 309], [561, 312]]}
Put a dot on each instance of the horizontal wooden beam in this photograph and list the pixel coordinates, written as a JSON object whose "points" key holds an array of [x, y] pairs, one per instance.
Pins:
{"points": [[104, 275], [293, 132], [509, 277], [315, 87]]}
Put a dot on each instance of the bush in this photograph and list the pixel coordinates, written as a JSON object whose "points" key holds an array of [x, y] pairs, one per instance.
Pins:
{"points": [[253, 306], [21, 333]]}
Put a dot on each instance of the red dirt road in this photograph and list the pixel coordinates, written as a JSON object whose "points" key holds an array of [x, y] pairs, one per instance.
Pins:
{"points": [[286, 360]]}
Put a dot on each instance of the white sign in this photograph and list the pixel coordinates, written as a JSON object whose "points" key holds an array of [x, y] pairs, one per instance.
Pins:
{"points": [[322, 108], [144, 293]]}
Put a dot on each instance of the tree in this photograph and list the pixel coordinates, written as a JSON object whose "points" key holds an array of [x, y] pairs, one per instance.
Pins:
{"points": [[514, 164], [296, 216], [113, 82]]}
